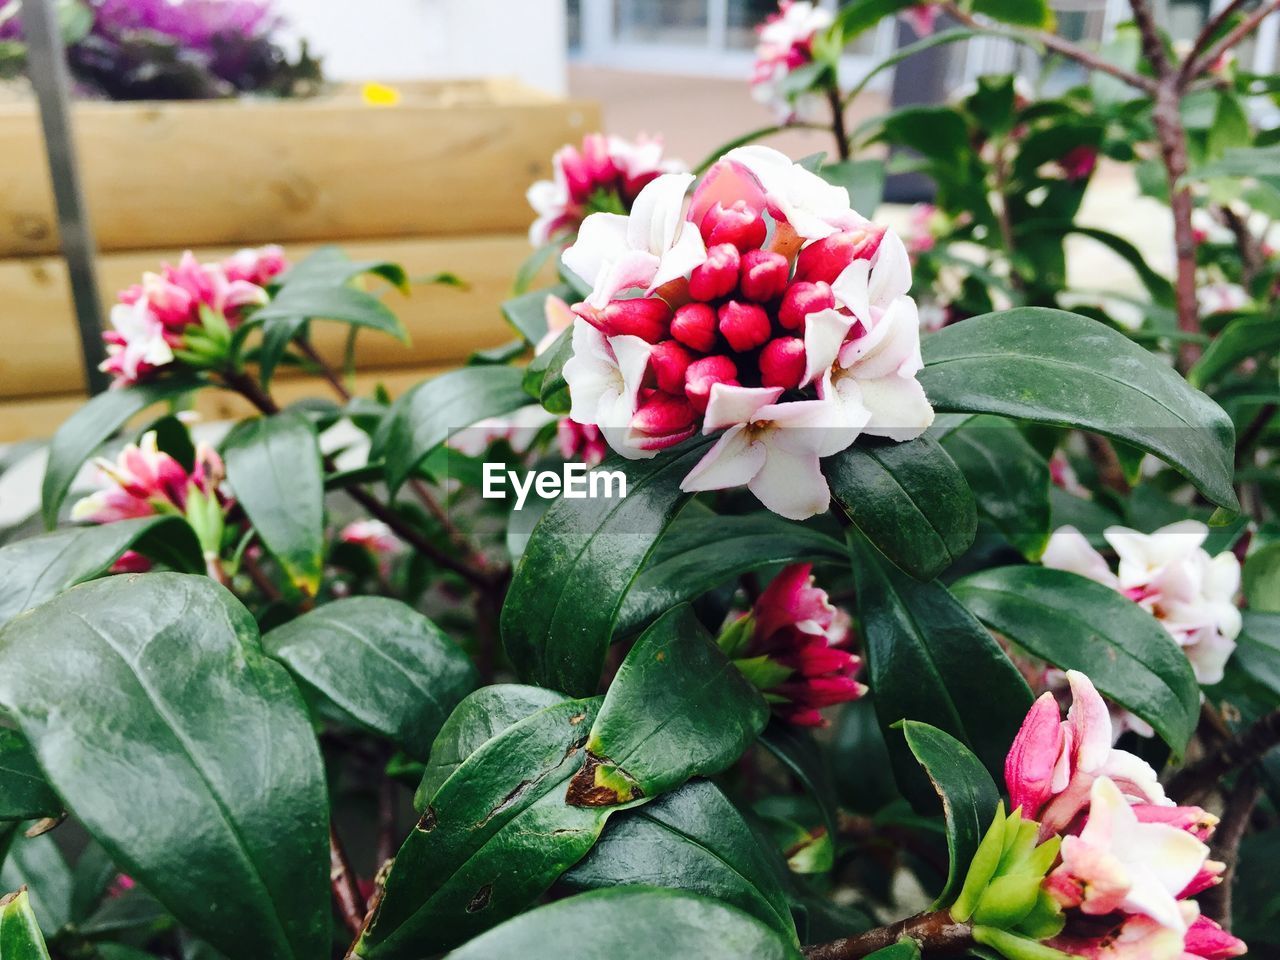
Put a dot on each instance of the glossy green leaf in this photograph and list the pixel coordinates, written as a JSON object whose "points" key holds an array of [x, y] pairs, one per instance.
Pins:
{"points": [[1257, 653], [638, 923], [909, 499], [495, 836], [24, 793], [481, 716], [37, 864], [381, 663], [691, 839], [1055, 367], [87, 428], [969, 797], [1249, 336], [1076, 624], [677, 708], [559, 614], [34, 570], [700, 552], [904, 949], [123, 684], [1023, 13], [1009, 479], [1261, 579], [804, 759], [858, 16], [274, 467], [20, 937], [421, 420], [929, 659], [527, 313], [864, 179]]}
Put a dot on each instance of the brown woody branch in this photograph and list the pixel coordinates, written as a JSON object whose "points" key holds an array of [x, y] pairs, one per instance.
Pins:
{"points": [[1216, 901], [342, 881], [935, 933], [1192, 69], [1196, 779], [1206, 36]]}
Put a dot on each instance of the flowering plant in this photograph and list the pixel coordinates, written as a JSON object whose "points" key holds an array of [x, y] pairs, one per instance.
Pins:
{"points": [[767, 652]]}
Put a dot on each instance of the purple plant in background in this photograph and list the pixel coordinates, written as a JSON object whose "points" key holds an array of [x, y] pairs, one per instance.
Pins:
{"points": [[196, 24]]}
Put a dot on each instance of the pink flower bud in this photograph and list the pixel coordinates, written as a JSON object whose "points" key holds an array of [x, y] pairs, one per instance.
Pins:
{"points": [[573, 167], [826, 259], [695, 326], [717, 276], [764, 275], [648, 318], [744, 325], [1198, 822], [1029, 767], [703, 374], [669, 360], [802, 299], [1208, 941], [738, 224], [782, 363], [597, 159], [661, 421]]}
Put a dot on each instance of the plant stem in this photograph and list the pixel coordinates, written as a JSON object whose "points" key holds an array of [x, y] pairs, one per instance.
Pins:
{"points": [[837, 119], [346, 893], [1196, 779], [934, 932], [1212, 26], [326, 371], [1194, 68], [1249, 436], [1216, 901]]}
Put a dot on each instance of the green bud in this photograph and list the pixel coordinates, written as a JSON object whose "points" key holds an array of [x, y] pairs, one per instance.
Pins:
{"points": [[1019, 841], [1014, 947], [1007, 900], [736, 636], [985, 861], [1041, 859], [204, 513], [1045, 919], [763, 673]]}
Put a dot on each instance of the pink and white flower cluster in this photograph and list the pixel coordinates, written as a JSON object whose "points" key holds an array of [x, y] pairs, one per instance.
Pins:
{"points": [[785, 44], [1173, 578], [793, 646], [605, 173], [762, 309], [153, 317], [1130, 860]]}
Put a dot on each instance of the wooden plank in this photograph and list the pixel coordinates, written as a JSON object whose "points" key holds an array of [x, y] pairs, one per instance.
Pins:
{"points": [[248, 172], [38, 418], [445, 324]]}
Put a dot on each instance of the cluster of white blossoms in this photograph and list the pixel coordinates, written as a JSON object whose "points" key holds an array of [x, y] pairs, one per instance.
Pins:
{"points": [[759, 307]]}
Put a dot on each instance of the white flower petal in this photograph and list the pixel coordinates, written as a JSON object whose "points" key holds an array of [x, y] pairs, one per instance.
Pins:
{"points": [[729, 404], [732, 461], [791, 485]]}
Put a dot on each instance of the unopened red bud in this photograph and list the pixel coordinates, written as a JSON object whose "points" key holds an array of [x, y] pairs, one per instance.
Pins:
{"points": [[744, 325], [739, 224], [782, 363], [669, 360], [802, 299], [648, 318], [695, 326], [764, 275], [717, 276], [826, 259], [703, 374], [663, 414]]}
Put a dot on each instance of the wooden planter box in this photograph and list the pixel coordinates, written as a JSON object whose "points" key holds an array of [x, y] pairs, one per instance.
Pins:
{"points": [[436, 182]]}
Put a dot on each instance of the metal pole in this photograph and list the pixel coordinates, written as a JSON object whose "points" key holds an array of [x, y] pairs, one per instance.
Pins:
{"points": [[47, 67]]}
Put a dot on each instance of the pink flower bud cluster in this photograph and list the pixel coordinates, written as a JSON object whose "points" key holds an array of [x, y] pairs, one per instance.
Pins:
{"points": [[605, 173], [786, 44], [763, 307], [153, 317], [793, 646], [1130, 861]]}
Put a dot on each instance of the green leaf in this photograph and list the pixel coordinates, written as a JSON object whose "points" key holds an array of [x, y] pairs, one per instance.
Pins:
{"points": [[24, 793], [1076, 624], [677, 709], [35, 570], [1257, 653], [1256, 336], [37, 864], [691, 839], [20, 937], [928, 659], [1060, 368], [805, 760], [1023, 13], [1009, 479], [969, 797], [558, 617], [1261, 577], [859, 16], [904, 949], [909, 499], [123, 684], [638, 923], [527, 313], [699, 553], [938, 39], [479, 718], [273, 465], [864, 179], [379, 661], [495, 836], [421, 420], [87, 428], [320, 288]]}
